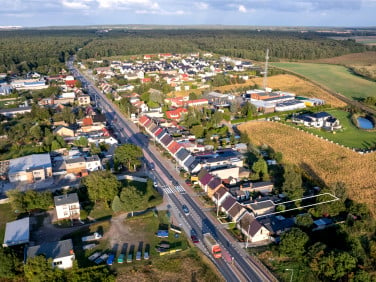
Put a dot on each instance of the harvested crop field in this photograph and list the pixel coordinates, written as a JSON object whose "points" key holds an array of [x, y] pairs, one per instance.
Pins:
{"points": [[365, 58], [323, 160]]}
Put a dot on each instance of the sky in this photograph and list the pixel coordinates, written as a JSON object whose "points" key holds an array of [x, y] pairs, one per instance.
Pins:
{"points": [[37, 13]]}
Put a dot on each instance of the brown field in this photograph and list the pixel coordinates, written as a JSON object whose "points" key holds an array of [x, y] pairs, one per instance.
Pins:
{"points": [[324, 161], [284, 82]]}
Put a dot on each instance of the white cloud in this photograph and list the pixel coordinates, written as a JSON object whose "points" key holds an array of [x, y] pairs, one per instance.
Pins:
{"points": [[201, 5], [75, 4], [242, 9], [106, 4]]}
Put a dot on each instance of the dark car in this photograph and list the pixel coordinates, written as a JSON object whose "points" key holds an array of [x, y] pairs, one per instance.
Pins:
{"points": [[194, 239], [185, 209]]}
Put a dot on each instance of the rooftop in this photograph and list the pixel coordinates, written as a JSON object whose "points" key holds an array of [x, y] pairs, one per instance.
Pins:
{"points": [[66, 199], [52, 250], [17, 232], [27, 163]]}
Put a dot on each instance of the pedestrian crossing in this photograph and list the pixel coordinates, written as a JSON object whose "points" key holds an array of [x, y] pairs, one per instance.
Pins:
{"points": [[172, 190]]}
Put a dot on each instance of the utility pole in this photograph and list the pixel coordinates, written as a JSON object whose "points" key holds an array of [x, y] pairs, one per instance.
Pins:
{"points": [[217, 204], [246, 243], [266, 69]]}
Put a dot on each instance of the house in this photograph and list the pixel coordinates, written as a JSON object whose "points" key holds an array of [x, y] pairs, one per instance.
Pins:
{"points": [[83, 100], [228, 203], [105, 139], [263, 187], [15, 111], [224, 172], [30, 168], [61, 253], [75, 165], [93, 163], [5, 90], [176, 114], [197, 103], [63, 131], [262, 207], [252, 228], [220, 195], [213, 185], [67, 206], [318, 120], [17, 232], [276, 225], [235, 212]]}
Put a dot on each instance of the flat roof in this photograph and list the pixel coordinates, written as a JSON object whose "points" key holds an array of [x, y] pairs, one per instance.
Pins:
{"points": [[17, 232]]}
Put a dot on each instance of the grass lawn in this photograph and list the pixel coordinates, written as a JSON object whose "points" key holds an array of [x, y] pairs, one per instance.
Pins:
{"points": [[99, 211], [337, 78], [6, 215], [349, 136]]}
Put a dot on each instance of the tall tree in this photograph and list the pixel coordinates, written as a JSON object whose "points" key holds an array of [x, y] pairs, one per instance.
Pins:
{"points": [[132, 198], [101, 186], [129, 155], [293, 182], [40, 269], [260, 169], [293, 243]]}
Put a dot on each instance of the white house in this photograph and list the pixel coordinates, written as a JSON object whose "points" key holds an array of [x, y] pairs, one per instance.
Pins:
{"points": [[107, 140], [67, 206], [61, 253], [93, 163], [252, 229]]}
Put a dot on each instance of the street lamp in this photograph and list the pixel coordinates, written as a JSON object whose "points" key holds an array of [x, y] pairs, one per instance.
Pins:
{"points": [[292, 273]]}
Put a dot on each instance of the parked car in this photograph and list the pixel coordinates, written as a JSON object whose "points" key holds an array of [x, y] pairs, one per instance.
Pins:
{"points": [[185, 209], [146, 255], [110, 259], [129, 258], [194, 239], [138, 255], [120, 258]]}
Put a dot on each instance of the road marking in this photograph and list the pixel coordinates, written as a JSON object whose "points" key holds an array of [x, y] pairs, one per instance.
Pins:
{"points": [[180, 189]]}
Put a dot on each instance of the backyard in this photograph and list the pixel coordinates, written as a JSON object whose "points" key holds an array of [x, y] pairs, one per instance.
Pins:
{"points": [[335, 77]]}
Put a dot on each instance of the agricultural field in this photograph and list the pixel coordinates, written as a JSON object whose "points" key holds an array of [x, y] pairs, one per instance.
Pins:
{"points": [[326, 162], [349, 136], [334, 77]]}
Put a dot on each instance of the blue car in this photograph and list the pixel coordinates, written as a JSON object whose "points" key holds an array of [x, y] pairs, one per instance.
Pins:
{"points": [[110, 259]]}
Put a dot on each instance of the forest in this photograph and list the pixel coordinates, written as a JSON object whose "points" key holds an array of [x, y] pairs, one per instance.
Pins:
{"points": [[45, 51]]}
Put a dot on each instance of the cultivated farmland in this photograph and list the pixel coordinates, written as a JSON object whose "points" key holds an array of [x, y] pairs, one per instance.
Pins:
{"points": [[334, 77], [324, 161]]}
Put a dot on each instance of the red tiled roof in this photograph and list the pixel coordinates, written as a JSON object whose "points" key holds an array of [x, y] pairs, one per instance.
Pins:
{"points": [[158, 131], [174, 147], [87, 121], [176, 114], [142, 120]]}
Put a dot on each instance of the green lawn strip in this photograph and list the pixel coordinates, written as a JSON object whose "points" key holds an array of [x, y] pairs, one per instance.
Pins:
{"points": [[349, 135], [337, 78], [6, 215]]}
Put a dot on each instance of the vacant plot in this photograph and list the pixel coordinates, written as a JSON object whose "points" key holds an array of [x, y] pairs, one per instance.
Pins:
{"points": [[324, 161], [350, 135], [334, 77]]}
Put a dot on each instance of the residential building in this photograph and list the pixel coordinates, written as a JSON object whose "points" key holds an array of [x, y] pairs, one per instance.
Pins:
{"points": [[67, 206], [64, 131], [75, 165], [252, 228], [176, 114], [93, 163], [262, 207], [15, 111], [83, 100], [30, 168], [61, 253]]}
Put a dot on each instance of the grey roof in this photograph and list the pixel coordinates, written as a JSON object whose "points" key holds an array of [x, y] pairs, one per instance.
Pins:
{"points": [[228, 203], [214, 183], [58, 249], [261, 205], [193, 165], [189, 161], [277, 224], [250, 224], [75, 160], [99, 118], [66, 199], [161, 134], [92, 158], [182, 154], [15, 110], [167, 139], [17, 232], [28, 163]]}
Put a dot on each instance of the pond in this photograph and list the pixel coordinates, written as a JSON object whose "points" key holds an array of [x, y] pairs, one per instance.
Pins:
{"points": [[364, 123]]}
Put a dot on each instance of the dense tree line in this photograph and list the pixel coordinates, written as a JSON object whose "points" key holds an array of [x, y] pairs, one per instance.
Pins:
{"points": [[235, 43], [41, 51]]}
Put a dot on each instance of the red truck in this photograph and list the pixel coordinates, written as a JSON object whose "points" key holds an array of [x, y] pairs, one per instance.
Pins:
{"points": [[212, 245]]}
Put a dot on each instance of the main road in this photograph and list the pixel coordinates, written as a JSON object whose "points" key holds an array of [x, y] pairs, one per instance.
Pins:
{"points": [[236, 264]]}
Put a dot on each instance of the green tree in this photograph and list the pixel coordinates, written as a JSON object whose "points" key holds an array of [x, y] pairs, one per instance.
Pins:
{"points": [[132, 198], [304, 220], [248, 110], [117, 205], [293, 243], [81, 142], [16, 199], [129, 155], [36, 132], [336, 265], [260, 169], [193, 96], [293, 182], [101, 186], [9, 264], [94, 149], [198, 131], [40, 269]]}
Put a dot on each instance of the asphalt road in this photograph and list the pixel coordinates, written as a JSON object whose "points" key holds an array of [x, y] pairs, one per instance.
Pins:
{"points": [[197, 219]]}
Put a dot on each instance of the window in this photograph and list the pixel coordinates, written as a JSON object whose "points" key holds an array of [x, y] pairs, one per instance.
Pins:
{"points": [[58, 262]]}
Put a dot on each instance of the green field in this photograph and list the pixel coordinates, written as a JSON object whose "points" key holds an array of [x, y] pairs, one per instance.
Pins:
{"points": [[334, 77], [350, 135]]}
